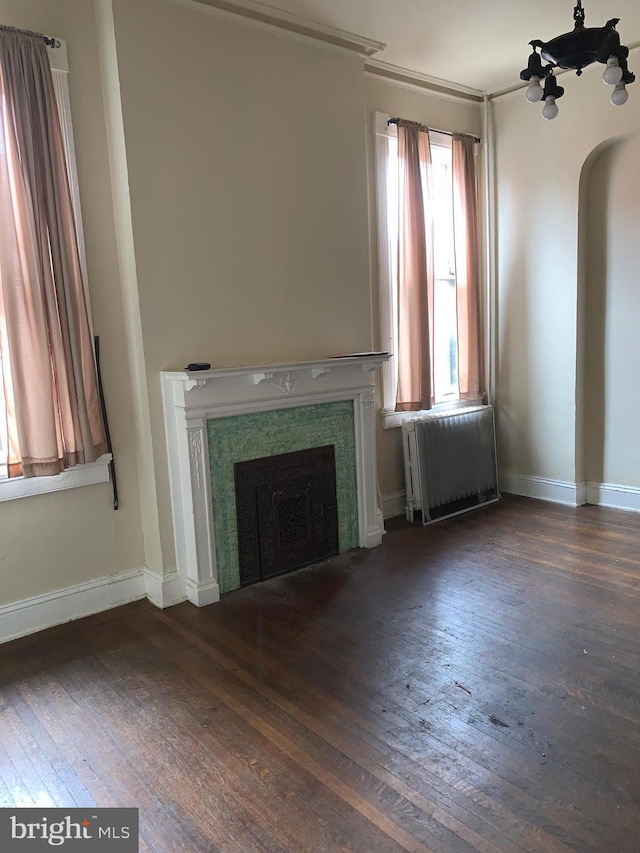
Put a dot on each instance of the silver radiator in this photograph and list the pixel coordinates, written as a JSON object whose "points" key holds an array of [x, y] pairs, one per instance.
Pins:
{"points": [[450, 463]]}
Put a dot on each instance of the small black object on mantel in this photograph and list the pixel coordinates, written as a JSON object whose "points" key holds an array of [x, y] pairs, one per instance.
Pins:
{"points": [[198, 365]]}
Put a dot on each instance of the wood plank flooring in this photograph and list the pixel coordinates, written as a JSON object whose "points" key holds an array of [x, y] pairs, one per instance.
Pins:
{"points": [[471, 686]]}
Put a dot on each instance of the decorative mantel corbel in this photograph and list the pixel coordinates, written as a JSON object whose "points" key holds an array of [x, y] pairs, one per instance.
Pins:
{"points": [[196, 384]]}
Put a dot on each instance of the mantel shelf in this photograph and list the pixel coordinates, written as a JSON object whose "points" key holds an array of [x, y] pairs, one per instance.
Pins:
{"points": [[260, 373]]}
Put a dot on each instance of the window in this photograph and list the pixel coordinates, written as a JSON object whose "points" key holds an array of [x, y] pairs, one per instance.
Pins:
{"points": [[445, 341], [65, 305]]}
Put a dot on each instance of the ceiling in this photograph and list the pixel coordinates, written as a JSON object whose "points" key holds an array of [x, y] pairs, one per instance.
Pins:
{"points": [[481, 44]]}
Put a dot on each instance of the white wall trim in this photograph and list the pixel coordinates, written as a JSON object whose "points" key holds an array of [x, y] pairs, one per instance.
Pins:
{"points": [[542, 488], [610, 495], [409, 78], [81, 475], [572, 494], [581, 494], [386, 305], [58, 57], [392, 419], [164, 590], [64, 605], [490, 247], [264, 17], [394, 504]]}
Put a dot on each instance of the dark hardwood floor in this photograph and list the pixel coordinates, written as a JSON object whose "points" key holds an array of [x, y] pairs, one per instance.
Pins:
{"points": [[471, 686]]}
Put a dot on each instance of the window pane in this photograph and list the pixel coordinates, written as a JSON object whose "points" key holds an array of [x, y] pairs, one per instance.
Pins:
{"points": [[445, 319], [393, 211], [445, 339], [444, 256], [445, 322]]}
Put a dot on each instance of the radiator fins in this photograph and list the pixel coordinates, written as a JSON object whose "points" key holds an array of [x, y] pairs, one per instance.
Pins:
{"points": [[450, 463]]}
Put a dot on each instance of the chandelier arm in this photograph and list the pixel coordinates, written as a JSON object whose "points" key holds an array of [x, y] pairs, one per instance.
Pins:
{"points": [[627, 76]]}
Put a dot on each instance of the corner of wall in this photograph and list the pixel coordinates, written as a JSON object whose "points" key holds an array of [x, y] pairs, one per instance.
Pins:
{"points": [[128, 281]]}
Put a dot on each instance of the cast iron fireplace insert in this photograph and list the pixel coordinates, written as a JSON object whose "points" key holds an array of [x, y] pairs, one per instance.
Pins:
{"points": [[287, 512]]}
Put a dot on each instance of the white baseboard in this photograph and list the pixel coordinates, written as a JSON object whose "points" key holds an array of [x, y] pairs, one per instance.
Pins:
{"points": [[572, 494], [393, 504], [164, 590], [618, 497], [581, 494], [556, 491], [64, 605], [203, 594]]}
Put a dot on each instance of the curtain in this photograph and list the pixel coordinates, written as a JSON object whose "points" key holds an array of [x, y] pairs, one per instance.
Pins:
{"points": [[467, 259], [49, 371], [415, 270]]}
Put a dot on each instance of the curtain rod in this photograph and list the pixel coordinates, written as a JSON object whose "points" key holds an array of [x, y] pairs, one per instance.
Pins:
{"points": [[48, 40], [435, 130]]}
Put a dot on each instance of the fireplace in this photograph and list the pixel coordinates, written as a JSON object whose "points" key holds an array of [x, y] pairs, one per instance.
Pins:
{"points": [[287, 512], [217, 419], [255, 435]]}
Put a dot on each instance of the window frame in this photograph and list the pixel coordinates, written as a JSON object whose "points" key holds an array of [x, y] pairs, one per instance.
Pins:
{"points": [[89, 473], [383, 132]]}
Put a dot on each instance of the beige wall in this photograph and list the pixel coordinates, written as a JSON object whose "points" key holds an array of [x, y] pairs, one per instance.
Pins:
{"points": [[246, 162], [538, 172], [437, 112], [57, 540]]}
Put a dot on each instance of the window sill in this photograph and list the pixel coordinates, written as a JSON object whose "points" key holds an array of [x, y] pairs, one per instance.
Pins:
{"points": [[81, 475], [391, 419]]}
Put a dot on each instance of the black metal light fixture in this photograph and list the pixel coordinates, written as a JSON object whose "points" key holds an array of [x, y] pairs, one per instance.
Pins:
{"points": [[576, 50]]}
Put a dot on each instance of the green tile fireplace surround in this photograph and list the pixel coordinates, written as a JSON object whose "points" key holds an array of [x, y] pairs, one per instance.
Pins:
{"points": [[252, 436], [217, 417]]}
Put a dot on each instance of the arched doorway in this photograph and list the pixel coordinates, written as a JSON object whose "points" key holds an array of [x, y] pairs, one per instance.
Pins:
{"points": [[608, 334]]}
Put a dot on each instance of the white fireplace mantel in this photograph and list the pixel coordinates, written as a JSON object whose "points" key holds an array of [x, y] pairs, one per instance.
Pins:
{"points": [[191, 398]]}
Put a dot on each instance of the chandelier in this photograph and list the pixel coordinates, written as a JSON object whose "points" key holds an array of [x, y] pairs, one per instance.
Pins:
{"points": [[576, 50]]}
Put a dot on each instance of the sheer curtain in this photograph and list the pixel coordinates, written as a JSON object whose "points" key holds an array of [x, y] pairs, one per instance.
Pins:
{"points": [[48, 363], [415, 270], [467, 250]]}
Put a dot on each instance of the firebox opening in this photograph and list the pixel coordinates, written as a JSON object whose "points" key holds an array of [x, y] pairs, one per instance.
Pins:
{"points": [[287, 512]]}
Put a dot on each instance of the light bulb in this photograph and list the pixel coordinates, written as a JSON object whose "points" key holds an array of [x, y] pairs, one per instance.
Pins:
{"points": [[534, 92], [619, 96], [613, 72], [550, 109]]}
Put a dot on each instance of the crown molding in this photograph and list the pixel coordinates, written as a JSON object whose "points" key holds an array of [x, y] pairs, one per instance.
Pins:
{"points": [[267, 17], [407, 77]]}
